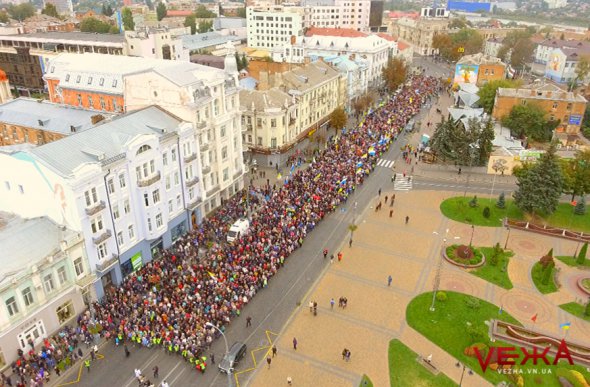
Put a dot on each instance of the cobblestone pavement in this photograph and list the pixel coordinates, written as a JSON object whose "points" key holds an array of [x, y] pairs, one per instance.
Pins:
{"points": [[376, 313]]}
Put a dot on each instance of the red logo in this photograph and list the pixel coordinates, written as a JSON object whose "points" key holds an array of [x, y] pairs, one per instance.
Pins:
{"points": [[505, 355]]}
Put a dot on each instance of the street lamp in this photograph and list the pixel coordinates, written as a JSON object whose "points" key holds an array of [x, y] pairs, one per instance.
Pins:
{"points": [[472, 232], [353, 226], [505, 221], [436, 284], [459, 365], [229, 380]]}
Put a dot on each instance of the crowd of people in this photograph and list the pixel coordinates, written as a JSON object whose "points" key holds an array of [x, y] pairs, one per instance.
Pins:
{"points": [[202, 280]]}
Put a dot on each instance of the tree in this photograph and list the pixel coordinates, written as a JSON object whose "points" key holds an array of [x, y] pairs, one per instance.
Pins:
{"points": [[362, 103], [522, 53], [3, 17], [161, 11], [244, 61], [108, 11], [452, 46], [576, 174], [114, 30], [92, 24], [495, 254], [580, 208], [547, 272], [540, 187], [205, 26], [338, 118], [452, 141], [459, 22], [203, 13], [242, 12], [581, 258], [487, 92], [394, 73], [483, 133], [501, 203], [127, 18], [191, 21], [582, 71], [50, 10], [22, 11], [529, 120], [587, 311]]}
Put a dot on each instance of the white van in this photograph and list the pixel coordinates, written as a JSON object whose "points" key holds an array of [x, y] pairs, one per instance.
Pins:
{"points": [[238, 229]]}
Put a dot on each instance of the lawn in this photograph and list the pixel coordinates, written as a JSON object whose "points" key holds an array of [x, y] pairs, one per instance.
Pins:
{"points": [[537, 274], [571, 261], [405, 371], [457, 208], [575, 309], [497, 274], [366, 382]]}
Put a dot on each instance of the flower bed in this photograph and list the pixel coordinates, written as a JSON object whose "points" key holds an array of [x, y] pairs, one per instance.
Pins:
{"points": [[584, 285], [464, 256]]}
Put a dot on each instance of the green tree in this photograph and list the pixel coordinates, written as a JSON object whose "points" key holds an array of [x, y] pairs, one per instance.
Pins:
{"points": [[108, 11], [114, 30], [582, 71], [487, 92], [522, 53], [50, 10], [459, 22], [3, 17], [580, 208], [238, 61], [540, 187], [501, 203], [454, 45], [22, 11], [242, 12], [576, 174], [587, 311], [127, 18], [394, 73], [161, 11], [529, 120], [191, 21], [586, 122], [203, 13], [581, 258], [483, 134], [92, 24], [205, 26], [547, 272], [338, 118], [244, 61]]}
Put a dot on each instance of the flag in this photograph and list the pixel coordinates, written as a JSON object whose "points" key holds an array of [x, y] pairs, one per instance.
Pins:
{"points": [[565, 326], [500, 310], [534, 318], [279, 176], [292, 167], [212, 276]]}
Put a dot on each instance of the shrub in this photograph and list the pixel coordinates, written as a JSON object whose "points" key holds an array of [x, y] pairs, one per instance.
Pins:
{"points": [[547, 272], [441, 296], [587, 311], [482, 348], [501, 203], [472, 303], [476, 334], [473, 202], [582, 254], [486, 212], [495, 255], [580, 208]]}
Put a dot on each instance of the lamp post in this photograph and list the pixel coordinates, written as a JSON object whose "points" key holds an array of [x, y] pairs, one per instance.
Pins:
{"points": [[353, 224], [436, 284], [229, 380], [459, 365], [508, 235], [472, 232]]}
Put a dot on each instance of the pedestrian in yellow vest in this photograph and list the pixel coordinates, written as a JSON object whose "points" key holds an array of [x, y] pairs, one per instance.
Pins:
{"points": [[87, 364]]}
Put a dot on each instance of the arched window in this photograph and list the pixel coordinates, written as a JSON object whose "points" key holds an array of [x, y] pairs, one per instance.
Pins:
{"points": [[143, 148]]}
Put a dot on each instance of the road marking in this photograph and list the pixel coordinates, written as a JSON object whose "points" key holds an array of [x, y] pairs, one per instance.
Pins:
{"points": [[268, 351], [402, 183], [385, 163], [180, 373], [98, 357], [171, 371], [145, 366]]}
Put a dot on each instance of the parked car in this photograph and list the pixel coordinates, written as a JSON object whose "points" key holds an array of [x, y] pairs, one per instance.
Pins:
{"points": [[232, 358]]}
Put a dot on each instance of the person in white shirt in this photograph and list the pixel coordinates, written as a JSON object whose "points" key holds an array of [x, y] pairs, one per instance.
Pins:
{"points": [[164, 384]]}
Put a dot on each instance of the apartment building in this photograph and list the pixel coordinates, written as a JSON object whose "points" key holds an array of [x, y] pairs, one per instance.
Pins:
{"points": [[43, 285], [273, 26], [492, 46], [353, 14], [130, 186], [158, 43], [563, 64], [38, 122], [420, 32], [546, 47], [565, 106]]}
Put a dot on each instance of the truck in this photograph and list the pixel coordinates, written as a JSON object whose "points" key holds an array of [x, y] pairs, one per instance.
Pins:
{"points": [[238, 229]]}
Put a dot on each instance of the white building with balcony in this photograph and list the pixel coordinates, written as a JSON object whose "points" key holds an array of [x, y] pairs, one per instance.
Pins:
{"points": [[130, 186], [45, 281], [273, 26]]}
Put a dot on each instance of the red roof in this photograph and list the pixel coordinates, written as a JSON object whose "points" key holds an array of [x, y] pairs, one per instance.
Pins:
{"points": [[176, 12], [400, 14], [343, 32], [386, 36], [402, 46]]}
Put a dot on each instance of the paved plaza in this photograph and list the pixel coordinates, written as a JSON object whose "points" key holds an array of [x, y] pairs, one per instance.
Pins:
{"points": [[376, 313]]}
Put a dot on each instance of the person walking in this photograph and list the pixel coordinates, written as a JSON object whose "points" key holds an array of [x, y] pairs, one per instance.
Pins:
{"points": [[274, 350], [350, 243], [340, 256], [87, 364], [391, 213], [325, 253], [310, 306], [389, 279], [156, 372], [127, 353], [332, 303], [212, 357], [92, 355], [268, 361], [248, 321], [165, 383], [332, 258], [289, 381], [294, 343], [407, 219], [379, 192]]}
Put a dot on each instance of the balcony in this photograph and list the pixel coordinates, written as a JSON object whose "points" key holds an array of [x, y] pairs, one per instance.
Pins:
{"points": [[206, 169], [213, 190], [189, 158], [193, 181], [106, 264], [150, 181], [204, 146], [201, 125], [102, 237], [238, 174], [98, 206], [195, 202]]}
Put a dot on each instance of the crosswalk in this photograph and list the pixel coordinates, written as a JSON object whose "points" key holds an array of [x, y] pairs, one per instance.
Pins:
{"points": [[385, 163], [402, 183]]}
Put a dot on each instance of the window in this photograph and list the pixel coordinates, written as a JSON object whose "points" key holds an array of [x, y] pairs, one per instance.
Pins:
{"points": [[178, 202], [78, 78], [159, 221], [145, 169], [273, 123], [114, 83], [170, 206], [259, 141], [138, 172], [65, 312], [102, 104], [48, 283], [96, 224], [91, 197], [102, 251], [131, 232], [7, 185], [101, 82], [79, 97], [167, 179], [146, 199], [152, 166], [89, 80], [224, 153], [27, 297], [111, 186], [122, 182], [223, 130], [67, 77], [226, 174], [569, 106], [176, 178], [79, 266], [11, 306], [120, 238], [126, 206], [165, 158], [116, 213], [173, 153], [90, 103], [555, 104], [21, 189], [149, 222], [62, 276], [273, 142], [156, 196]]}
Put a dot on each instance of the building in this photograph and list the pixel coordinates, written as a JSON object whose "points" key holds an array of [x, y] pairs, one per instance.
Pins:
{"points": [[209, 60], [129, 186], [288, 107], [273, 26], [231, 26], [5, 92], [420, 32], [330, 42], [24, 71], [553, 4], [351, 14], [546, 47], [207, 42], [45, 281], [496, 32], [62, 6], [470, 6], [43, 23], [492, 46], [39, 122], [563, 63], [354, 69], [158, 43], [479, 69], [565, 106]]}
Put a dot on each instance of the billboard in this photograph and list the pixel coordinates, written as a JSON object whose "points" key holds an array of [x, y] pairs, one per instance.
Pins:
{"points": [[575, 119], [469, 6], [466, 73], [136, 261]]}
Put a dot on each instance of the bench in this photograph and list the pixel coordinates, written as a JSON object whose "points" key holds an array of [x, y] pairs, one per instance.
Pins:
{"points": [[428, 365]]}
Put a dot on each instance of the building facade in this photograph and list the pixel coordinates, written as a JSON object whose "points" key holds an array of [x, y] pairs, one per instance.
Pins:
{"points": [[492, 46], [479, 69], [419, 33], [545, 48], [157, 43], [43, 285], [130, 186], [24, 71], [62, 6], [273, 26], [563, 63], [567, 107], [353, 14]]}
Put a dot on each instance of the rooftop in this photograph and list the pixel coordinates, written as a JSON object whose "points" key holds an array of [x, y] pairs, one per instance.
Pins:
{"points": [[387, 37], [68, 37], [342, 32], [545, 91], [44, 115], [207, 39], [479, 59], [16, 235], [559, 43], [274, 98], [104, 141], [308, 76]]}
